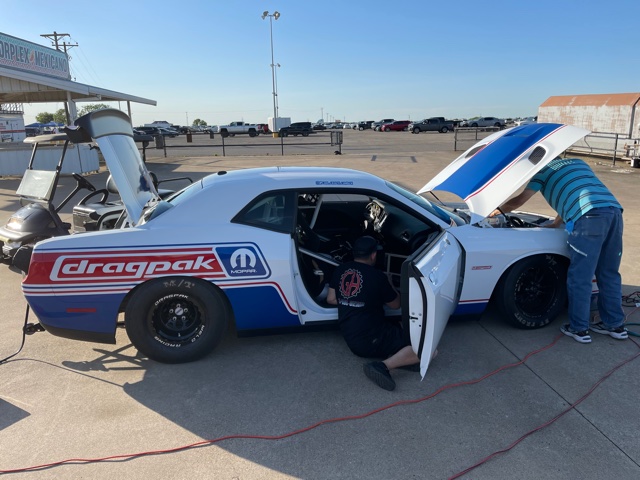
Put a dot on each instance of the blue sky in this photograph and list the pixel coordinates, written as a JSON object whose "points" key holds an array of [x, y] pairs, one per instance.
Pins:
{"points": [[348, 59]]}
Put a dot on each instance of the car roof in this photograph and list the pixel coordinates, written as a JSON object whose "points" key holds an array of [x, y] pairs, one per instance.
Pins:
{"points": [[271, 178]]}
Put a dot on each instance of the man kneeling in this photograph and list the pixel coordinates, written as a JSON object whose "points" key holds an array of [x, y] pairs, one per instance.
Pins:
{"points": [[360, 290]]}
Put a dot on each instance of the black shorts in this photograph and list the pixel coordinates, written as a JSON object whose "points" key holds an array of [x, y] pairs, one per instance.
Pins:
{"points": [[385, 343]]}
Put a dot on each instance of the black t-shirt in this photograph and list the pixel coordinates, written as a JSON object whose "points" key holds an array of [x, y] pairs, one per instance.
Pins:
{"points": [[361, 291]]}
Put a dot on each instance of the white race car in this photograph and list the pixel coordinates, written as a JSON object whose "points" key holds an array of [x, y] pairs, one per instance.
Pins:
{"points": [[257, 247]]}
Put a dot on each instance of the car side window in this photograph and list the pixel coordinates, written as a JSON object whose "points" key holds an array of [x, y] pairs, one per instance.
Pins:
{"points": [[272, 211]]}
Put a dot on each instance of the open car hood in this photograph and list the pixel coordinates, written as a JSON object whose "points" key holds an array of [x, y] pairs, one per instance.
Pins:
{"points": [[112, 131], [490, 172]]}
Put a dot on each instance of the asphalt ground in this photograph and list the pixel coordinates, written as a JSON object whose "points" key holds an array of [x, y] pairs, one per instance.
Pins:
{"points": [[298, 405]]}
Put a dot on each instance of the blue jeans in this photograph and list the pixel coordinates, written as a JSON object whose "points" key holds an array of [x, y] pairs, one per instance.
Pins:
{"points": [[595, 246]]}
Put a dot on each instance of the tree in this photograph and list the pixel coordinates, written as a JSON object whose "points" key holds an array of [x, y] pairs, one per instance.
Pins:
{"points": [[199, 123], [44, 117], [92, 107], [60, 116]]}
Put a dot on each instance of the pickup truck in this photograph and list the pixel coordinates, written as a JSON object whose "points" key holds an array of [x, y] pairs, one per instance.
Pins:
{"points": [[238, 128], [433, 124]]}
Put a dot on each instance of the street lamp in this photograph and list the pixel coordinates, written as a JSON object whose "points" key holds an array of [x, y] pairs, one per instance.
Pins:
{"points": [[273, 16]]}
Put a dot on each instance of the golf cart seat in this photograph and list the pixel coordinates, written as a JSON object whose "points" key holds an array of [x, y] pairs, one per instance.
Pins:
{"points": [[90, 213]]}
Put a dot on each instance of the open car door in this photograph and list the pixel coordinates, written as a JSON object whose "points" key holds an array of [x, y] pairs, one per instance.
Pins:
{"points": [[431, 287]]}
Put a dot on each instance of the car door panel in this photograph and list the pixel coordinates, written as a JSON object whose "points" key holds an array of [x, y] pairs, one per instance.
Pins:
{"points": [[431, 286]]}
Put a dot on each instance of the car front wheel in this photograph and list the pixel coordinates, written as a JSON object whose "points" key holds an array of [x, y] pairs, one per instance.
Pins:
{"points": [[416, 130], [533, 292], [176, 319]]}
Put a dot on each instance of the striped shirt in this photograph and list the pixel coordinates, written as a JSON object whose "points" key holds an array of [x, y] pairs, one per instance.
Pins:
{"points": [[571, 188]]}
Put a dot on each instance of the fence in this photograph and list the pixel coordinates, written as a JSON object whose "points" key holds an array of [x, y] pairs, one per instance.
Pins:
{"points": [[465, 137], [604, 144], [334, 139]]}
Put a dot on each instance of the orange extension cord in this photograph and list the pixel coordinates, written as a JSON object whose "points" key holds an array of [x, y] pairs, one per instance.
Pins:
{"points": [[129, 456]]}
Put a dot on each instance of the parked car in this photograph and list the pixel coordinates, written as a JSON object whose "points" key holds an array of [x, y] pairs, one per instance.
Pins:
{"points": [[32, 131], [168, 132], [377, 125], [526, 121], [262, 128], [238, 128], [365, 125], [265, 253], [433, 124], [485, 122], [397, 126], [296, 128], [319, 126], [149, 130]]}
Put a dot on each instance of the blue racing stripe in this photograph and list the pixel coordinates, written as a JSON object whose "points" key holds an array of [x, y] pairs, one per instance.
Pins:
{"points": [[488, 162], [260, 307]]}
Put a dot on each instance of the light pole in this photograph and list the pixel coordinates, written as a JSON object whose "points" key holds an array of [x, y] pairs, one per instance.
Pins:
{"points": [[275, 15], [276, 89]]}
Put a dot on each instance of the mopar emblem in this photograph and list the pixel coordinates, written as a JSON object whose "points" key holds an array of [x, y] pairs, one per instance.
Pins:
{"points": [[243, 258], [242, 261]]}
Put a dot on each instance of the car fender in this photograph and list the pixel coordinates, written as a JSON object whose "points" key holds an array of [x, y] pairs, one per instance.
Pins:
{"points": [[489, 253]]}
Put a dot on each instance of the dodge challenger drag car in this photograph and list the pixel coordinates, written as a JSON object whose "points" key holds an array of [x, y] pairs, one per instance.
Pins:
{"points": [[257, 247]]}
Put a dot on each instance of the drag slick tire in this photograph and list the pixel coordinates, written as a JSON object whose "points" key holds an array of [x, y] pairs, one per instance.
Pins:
{"points": [[176, 319], [533, 292]]}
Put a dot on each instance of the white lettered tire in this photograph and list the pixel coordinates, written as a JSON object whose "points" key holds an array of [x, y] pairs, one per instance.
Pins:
{"points": [[176, 319]]}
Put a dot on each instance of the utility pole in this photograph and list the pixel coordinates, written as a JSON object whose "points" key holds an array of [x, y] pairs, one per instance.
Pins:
{"points": [[55, 38]]}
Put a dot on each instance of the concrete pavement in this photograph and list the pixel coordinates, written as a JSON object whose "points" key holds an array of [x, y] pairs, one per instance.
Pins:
{"points": [[61, 399]]}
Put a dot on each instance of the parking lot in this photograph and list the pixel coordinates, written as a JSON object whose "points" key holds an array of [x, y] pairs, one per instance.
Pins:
{"points": [[298, 405], [319, 143]]}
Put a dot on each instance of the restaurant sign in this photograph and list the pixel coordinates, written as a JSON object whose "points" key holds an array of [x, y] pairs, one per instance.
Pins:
{"points": [[33, 58]]}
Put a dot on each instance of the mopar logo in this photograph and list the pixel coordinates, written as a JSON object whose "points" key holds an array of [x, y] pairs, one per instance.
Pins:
{"points": [[242, 261]]}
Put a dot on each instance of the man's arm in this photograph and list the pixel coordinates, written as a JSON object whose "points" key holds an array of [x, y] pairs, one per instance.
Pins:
{"points": [[331, 297], [395, 303], [515, 202]]}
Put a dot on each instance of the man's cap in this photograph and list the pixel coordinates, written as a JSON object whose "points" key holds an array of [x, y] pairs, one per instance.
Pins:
{"points": [[365, 246]]}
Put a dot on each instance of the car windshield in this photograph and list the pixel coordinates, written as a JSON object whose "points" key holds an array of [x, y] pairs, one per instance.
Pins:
{"points": [[444, 215]]}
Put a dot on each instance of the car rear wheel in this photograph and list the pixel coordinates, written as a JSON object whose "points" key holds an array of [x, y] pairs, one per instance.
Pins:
{"points": [[533, 291], [444, 130], [176, 319], [252, 133]]}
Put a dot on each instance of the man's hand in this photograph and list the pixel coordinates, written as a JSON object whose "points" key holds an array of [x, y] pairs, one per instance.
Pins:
{"points": [[557, 223]]}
